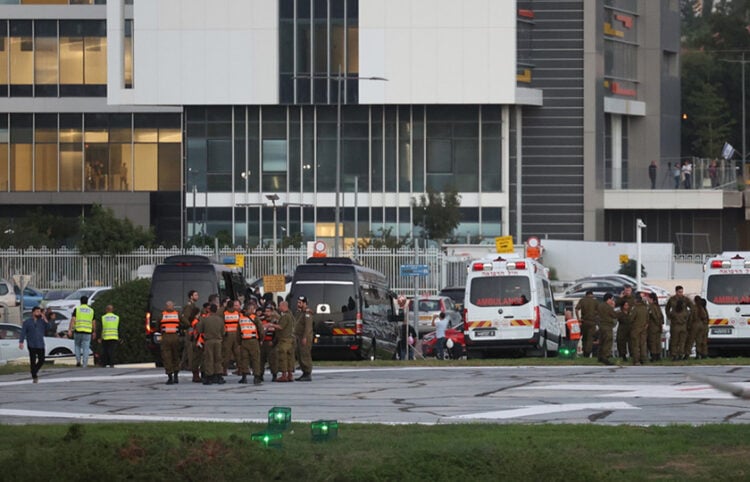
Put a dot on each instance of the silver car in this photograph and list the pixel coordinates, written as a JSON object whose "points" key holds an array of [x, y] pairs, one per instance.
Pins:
{"points": [[429, 308]]}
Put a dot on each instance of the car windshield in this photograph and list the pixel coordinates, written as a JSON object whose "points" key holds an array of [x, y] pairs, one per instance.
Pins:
{"points": [[426, 305], [500, 291], [76, 295], [728, 289]]}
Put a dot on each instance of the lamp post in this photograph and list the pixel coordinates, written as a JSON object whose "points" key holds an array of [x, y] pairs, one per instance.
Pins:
{"points": [[339, 77], [273, 198], [639, 225]]}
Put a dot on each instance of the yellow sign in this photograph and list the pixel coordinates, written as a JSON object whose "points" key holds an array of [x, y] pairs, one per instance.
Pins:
{"points": [[239, 260], [274, 283], [504, 244], [624, 258]]}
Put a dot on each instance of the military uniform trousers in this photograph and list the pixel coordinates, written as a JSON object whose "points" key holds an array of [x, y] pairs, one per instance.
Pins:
{"points": [[268, 356], [195, 356], [170, 352], [229, 349], [304, 355], [638, 342], [701, 339], [285, 352], [677, 336], [623, 339], [693, 333], [588, 330], [250, 355], [212, 358], [654, 340], [605, 341]]}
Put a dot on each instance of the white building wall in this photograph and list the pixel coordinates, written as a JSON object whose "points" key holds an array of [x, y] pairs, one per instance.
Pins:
{"points": [[437, 51], [198, 52]]}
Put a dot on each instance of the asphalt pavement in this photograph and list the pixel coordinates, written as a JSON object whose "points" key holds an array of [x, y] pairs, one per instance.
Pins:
{"points": [[646, 395]]}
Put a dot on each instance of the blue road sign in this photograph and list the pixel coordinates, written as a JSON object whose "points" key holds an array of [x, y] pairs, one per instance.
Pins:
{"points": [[414, 270]]}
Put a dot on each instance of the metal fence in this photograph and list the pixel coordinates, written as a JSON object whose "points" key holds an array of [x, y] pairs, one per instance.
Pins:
{"points": [[68, 269]]}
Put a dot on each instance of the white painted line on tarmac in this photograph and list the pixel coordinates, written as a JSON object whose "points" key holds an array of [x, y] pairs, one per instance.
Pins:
{"points": [[636, 390], [111, 417], [544, 410]]}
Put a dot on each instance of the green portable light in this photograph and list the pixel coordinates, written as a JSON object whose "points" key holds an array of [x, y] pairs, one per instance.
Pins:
{"points": [[323, 430], [267, 438], [279, 418]]}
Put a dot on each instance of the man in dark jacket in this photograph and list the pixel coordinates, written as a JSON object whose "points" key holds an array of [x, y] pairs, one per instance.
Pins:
{"points": [[33, 332]]}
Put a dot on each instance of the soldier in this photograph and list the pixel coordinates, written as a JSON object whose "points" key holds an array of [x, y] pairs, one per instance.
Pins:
{"points": [[700, 328], [639, 316], [586, 312], [678, 319], [229, 346], [655, 324], [303, 332], [268, 356], [607, 320], [625, 302], [169, 326], [188, 318], [248, 336], [670, 307], [212, 329], [285, 343]]}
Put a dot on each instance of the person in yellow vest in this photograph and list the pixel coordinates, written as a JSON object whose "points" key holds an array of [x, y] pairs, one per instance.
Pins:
{"points": [[169, 326], [248, 338], [110, 336], [82, 328], [229, 345]]}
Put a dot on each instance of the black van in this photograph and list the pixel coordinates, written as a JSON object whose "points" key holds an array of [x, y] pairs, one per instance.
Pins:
{"points": [[354, 309], [172, 280]]}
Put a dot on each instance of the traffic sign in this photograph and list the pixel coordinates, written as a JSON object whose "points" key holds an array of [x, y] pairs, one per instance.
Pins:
{"points": [[414, 270], [504, 244]]}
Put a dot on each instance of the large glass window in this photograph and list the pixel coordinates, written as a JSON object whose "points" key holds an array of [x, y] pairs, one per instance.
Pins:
{"points": [[127, 58], [3, 58], [45, 152], [83, 57], [21, 154], [21, 58], [4, 152], [71, 152], [45, 58]]}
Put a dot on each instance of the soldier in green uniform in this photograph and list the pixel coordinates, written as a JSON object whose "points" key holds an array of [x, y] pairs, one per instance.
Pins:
{"points": [[268, 354], [678, 320], [639, 315], [303, 332], [169, 327], [187, 318], [700, 325], [679, 294], [625, 302], [212, 329], [249, 334], [655, 324], [607, 320], [586, 312], [285, 343]]}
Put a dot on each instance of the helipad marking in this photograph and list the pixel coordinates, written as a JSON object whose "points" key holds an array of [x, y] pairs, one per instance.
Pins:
{"points": [[546, 409], [638, 390]]}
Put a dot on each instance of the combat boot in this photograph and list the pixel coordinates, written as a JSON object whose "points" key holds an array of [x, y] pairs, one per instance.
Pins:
{"points": [[208, 380], [290, 376], [220, 380], [281, 378], [243, 379], [258, 381], [170, 381], [305, 377], [197, 376], [176, 378]]}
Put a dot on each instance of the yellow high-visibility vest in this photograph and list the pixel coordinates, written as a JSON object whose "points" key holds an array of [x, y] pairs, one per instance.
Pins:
{"points": [[84, 319], [110, 324]]}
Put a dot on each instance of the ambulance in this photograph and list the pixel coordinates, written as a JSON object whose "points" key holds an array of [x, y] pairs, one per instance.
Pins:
{"points": [[509, 308], [726, 289]]}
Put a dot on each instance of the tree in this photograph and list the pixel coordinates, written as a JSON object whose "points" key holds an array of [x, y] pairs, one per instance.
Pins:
{"points": [[294, 241], [129, 301], [709, 121], [384, 238], [437, 213], [628, 268], [103, 233], [224, 237]]}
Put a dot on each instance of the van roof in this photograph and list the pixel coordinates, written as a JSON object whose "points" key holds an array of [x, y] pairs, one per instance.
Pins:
{"points": [[187, 259]]}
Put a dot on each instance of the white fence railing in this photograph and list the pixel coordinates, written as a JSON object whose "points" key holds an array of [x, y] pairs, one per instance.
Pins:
{"points": [[66, 268]]}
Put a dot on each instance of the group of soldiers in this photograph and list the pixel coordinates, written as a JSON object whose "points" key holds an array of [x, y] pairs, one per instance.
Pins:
{"points": [[639, 320], [215, 337]]}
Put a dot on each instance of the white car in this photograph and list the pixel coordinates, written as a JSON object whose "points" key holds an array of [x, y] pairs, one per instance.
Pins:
{"points": [[11, 334], [70, 302], [7, 295]]}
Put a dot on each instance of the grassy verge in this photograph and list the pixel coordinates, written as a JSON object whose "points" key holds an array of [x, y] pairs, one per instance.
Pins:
{"points": [[187, 451]]}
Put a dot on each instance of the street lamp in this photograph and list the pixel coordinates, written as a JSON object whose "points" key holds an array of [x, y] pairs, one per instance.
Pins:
{"points": [[273, 198], [338, 78], [639, 226]]}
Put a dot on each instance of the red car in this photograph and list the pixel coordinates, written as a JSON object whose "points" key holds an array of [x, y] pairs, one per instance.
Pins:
{"points": [[456, 334]]}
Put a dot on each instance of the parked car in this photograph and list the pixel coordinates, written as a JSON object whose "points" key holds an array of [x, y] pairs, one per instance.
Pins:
{"points": [[430, 307], [31, 297], [456, 334], [7, 295], [54, 295], [457, 294], [70, 302], [10, 334], [612, 283]]}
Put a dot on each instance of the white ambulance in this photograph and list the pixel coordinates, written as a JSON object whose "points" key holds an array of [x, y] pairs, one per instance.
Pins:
{"points": [[509, 308], [726, 289]]}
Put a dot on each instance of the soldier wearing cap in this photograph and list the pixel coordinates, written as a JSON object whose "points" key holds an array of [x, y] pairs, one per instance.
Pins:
{"points": [[639, 315], [303, 332], [268, 346], [625, 302]]}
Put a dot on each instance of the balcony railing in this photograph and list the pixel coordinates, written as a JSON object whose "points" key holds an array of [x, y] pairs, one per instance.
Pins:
{"points": [[722, 175]]}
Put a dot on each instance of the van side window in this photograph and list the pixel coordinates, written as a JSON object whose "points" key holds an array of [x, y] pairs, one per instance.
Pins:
{"points": [[547, 295]]}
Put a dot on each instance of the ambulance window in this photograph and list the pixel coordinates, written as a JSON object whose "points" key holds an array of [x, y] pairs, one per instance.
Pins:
{"points": [[728, 289], [500, 291]]}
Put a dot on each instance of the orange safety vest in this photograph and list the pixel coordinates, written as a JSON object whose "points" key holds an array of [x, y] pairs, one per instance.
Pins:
{"points": [[574, 329], [248, 330], [170, 322], [268, 333], [231, 318]]}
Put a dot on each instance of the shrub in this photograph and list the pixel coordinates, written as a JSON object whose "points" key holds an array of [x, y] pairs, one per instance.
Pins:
{"points": [[129, 301]]}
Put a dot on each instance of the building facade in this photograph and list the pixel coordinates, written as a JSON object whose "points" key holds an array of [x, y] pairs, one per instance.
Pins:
{"points": [[189, 114]]}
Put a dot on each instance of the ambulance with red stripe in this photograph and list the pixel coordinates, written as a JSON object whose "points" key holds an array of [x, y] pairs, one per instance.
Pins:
{"points": [[726, 289], [509, 308]]}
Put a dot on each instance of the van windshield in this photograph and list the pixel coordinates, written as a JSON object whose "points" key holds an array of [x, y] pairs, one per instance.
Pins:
{"points": [[339, 296], [500, 291], [174, 286], [731, 289]]}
